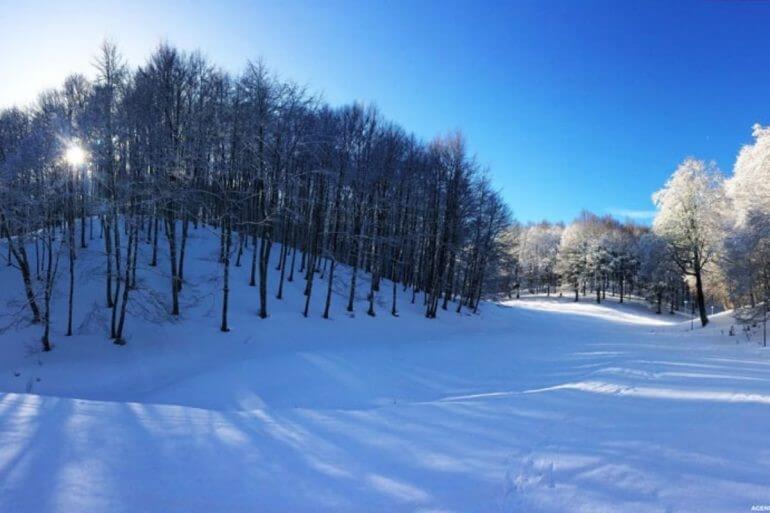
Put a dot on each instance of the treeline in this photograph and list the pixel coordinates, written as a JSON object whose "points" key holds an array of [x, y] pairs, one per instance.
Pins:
{"points": [[709, 245], [591, 257], [177, 143]]}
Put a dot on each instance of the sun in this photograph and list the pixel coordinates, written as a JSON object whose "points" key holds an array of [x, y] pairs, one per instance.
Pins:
{"points": [[75, 155]]}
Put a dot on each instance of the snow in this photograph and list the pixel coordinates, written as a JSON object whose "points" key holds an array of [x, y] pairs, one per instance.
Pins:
{"points": [[534, 405]]}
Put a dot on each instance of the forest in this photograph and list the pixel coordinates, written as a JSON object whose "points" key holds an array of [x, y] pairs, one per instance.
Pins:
{"points": [[145, 154], [138, 157], [708, 246]]}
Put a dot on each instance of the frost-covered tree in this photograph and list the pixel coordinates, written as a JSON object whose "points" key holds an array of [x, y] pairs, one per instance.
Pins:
{"points": [[538, 254], [659, 275], [691, 219], [18, 141], [586, 254], [747, 255], [574, 254], [747, 262], [621, 244], [749, 187]]}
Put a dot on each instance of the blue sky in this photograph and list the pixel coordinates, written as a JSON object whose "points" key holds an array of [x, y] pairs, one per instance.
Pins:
{"points": [[572, 105]]}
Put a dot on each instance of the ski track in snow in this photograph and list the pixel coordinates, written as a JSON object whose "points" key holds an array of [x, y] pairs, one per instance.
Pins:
{"points": [[535, 405]]}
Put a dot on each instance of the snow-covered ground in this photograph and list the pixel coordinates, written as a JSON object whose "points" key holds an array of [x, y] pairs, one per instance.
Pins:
{"points": [[532, 405]]}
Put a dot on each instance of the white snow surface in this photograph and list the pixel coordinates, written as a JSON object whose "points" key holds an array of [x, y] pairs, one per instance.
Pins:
{"points": [[533, 405]]}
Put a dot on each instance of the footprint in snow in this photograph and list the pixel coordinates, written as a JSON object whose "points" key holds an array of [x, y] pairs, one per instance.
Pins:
{"points": [[523, 477]]}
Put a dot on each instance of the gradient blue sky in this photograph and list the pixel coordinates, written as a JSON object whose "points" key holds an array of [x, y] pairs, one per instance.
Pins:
{"points": [[572, 105]]}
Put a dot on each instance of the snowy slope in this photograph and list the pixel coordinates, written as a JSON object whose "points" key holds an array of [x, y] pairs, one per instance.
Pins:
{"points": [[533, 405]]}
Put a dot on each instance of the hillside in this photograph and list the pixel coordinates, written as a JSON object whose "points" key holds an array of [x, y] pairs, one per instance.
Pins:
{"points": [[532, 405]]}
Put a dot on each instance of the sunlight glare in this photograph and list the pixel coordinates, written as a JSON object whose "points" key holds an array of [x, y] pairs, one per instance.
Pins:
{"points": [[75, 155]]}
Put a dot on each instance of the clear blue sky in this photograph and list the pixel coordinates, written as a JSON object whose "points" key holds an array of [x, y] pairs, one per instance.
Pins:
{"points": [[572, 105]]}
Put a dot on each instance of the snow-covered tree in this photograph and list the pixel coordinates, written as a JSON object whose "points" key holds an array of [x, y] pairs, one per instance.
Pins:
{"points": [[575, 253], [538, 253], [747, 261], [692, 209], [659, 275], [590, 254], [621, 244], [749, 187]]}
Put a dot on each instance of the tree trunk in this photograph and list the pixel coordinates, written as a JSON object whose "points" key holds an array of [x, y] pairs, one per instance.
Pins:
{"points": [[330, 284], [154, 260], [264, 260], [20, 255], [284, 253], [71, 298], [106, 228], [622, 289], [226, 276], [182, 250], [393, 310], [171, 236], [133, 242], [241, 243], [700, 297], [255, 247]]}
